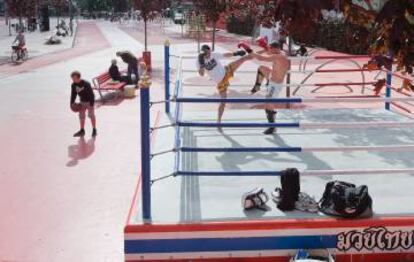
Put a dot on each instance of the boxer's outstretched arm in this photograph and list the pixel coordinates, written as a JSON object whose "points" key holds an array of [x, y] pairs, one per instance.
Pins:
{"points": [[263, 58], [227, 55]]}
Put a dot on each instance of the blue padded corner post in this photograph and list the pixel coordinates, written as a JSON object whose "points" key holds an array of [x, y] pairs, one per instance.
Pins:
{"points": [[388, 88], [167, 75], [145, 149]]}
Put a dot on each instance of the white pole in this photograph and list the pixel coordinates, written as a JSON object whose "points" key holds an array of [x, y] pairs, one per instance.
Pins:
{"points": [[397, 148], [356, 172], [356, 100], [355, 125]]}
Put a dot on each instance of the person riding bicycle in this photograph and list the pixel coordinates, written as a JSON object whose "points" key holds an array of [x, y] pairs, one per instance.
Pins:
{"points": [[18, 44]]}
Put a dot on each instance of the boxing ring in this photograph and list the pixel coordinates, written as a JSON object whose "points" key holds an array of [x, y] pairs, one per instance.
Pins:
{"points": [[187, 205]]}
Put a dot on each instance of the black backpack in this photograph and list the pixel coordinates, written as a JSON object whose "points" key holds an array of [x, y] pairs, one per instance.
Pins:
{"points": [[345, 200], [290, 189]]}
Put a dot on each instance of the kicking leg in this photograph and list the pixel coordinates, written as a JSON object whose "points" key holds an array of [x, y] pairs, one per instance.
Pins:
{"points": [[236, 64], [262, 73]]}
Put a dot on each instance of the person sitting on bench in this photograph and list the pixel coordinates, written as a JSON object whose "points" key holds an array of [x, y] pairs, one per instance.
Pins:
{"points": [[114, 71], [115, 74]]}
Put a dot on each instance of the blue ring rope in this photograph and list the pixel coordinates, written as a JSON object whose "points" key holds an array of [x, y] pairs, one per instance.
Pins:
{"points": [[245, 149], [237, 100], [228, 173], [214, 124]]}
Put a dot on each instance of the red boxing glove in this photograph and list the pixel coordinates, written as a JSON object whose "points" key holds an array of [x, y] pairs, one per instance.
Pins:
{"points": [[262, 42], [245, 46]]}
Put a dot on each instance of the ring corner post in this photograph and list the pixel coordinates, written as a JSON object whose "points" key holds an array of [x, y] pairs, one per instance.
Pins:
{"points": [[145, 84], [167, 75], [288, 78], [388, 85], [388, 90]]}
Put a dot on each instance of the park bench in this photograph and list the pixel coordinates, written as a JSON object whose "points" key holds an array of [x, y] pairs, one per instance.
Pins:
{"points": [[103, 83], [202, 33]]}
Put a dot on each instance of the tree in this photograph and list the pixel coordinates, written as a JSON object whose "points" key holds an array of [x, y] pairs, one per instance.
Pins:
{"points": [[148, 10], [120, 5], [299, 16], [391, 29], [21, 8], [212, 9], [94, 5], [60, 7]]}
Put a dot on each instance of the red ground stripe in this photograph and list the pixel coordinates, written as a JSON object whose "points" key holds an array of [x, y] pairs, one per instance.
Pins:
{"points": [[355, 96], [401, 107], [398, 75], [342, 57], [272, 224], [346, 84], [340, 70]]}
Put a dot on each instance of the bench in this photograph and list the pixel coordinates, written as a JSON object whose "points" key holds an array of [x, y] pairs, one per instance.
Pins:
{"points": [[102, 83], [193, 33]]}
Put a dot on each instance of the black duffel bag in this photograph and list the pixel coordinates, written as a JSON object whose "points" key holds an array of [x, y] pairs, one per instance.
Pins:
{"points": [[345, 200], [289, 194]]}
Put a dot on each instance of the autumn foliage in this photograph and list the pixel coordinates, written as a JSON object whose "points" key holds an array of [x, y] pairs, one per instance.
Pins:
{"points": [[21, 8], [390, 31]]}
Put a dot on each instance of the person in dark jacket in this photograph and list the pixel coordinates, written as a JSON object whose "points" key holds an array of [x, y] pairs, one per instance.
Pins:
{"points": [[84, 90], [132, 62], [114, 71]]}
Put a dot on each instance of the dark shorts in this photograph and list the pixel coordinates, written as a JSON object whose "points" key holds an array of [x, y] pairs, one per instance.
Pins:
{"points": [[86, 106]]}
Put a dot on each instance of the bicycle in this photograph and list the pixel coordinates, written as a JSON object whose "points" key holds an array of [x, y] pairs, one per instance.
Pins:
{"points": [[19, 52]]}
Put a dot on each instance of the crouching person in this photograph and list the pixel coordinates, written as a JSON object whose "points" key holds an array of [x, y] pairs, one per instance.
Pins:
{"points": [[84, 90]]}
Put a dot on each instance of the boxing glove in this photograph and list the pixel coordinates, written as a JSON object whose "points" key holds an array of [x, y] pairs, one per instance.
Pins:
{"points": [[262, 42], [245, 46], [239, 53]]}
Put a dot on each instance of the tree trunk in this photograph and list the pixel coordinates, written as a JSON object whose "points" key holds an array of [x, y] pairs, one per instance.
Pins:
{"points": [[198, 21], [214, 35], [20, 23], [145, 34]]}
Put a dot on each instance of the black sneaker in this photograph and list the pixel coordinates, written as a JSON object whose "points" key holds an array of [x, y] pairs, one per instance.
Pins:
{"points": [[255, 89], [94, 133], [79, 133], [270, 131]]}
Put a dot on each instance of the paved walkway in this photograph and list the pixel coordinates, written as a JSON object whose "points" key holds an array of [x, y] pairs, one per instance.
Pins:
{"points": [[35, 41]]}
